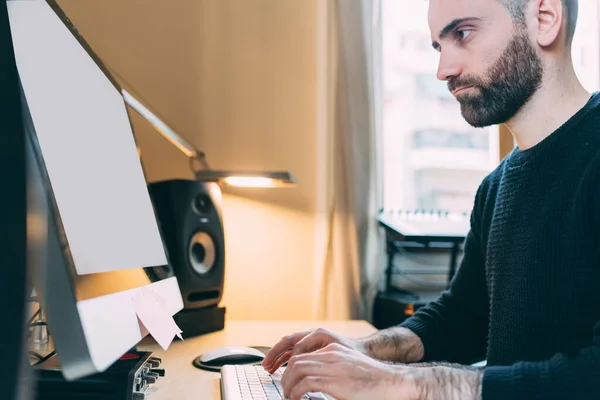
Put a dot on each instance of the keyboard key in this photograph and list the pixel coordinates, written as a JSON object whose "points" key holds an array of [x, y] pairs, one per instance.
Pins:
{"points": [[252, 382]]}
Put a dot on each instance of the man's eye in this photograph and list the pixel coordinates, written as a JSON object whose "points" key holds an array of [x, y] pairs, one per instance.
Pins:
{"points": [[462, 34]]}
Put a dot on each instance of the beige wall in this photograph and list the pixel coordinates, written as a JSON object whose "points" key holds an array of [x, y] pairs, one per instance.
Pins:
{"points": [[240, 79]]}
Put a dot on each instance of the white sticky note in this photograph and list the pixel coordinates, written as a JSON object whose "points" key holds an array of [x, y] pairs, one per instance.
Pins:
{"points": [[152, 313]]}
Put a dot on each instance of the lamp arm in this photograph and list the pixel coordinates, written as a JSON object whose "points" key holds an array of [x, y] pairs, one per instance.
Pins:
{"points": [[166, 131], [135, 102]]}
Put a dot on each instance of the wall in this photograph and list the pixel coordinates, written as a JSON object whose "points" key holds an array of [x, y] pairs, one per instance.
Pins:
{"points": [[240, 80]]}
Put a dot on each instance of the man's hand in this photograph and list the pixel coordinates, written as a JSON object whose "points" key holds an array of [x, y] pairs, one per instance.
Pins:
{"points": [[347, 374], [305, 342], [393, 344]]}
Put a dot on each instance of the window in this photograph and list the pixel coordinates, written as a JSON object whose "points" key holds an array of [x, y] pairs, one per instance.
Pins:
{"points": [[434, 160]]}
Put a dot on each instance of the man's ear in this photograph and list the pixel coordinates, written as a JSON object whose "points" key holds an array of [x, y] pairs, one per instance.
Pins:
{"points": [[549, 16]]}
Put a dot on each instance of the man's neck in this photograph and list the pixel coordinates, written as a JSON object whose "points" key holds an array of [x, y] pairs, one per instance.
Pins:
{"points": [[559, 98]]}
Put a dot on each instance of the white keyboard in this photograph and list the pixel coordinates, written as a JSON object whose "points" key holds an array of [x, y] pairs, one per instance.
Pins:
{"points": [[252, 382], [426, 223]]}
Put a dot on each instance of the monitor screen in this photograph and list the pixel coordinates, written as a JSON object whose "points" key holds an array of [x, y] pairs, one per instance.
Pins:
{"points": [[88, 146]]}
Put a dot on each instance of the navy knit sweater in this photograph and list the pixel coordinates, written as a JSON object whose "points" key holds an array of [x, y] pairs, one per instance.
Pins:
{"points": [[526, 296]]}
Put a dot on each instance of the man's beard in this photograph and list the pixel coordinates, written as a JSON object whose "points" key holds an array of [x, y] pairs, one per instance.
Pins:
{"points": [[506, 87]]}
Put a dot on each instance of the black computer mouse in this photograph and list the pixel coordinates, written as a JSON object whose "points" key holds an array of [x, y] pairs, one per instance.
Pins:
{"points": [[231, 355]]}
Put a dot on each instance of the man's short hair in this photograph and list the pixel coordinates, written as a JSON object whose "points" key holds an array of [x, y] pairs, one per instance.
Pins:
{"points": [[516, 9]]}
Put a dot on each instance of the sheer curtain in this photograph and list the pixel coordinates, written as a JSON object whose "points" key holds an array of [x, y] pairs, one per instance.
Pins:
{"points": [[354, 262]]}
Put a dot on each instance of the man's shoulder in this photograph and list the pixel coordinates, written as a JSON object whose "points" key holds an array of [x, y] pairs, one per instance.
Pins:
{"points": [[490, 183]]}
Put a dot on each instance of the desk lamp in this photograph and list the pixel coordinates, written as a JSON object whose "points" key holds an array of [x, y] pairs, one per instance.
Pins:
{"points": [[265, 179]]}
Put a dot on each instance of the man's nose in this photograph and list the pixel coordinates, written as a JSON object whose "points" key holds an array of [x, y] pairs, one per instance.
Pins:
{"points": [[448, 67]]}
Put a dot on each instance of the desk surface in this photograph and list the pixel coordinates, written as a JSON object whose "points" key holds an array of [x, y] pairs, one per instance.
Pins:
{"points": [[183, 381]]}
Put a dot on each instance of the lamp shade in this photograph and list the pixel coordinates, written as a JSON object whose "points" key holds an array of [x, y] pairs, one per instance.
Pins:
{"points": [[247, 178]]}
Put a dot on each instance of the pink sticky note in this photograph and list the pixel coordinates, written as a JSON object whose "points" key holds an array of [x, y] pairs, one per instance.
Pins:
{"points": [[152, 313]]}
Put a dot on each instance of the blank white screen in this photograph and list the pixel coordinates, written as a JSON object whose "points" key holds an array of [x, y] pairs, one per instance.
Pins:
{"points": [[88, 146]]}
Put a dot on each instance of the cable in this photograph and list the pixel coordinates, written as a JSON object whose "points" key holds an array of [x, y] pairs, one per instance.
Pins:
{"points": [[44, 359]]}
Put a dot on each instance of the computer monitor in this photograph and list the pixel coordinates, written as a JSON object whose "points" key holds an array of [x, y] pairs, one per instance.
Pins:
{"points": [[99, 241], [13, 222]]}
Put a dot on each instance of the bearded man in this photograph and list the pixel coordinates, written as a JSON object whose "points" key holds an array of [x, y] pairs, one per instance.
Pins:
{"points": [[526, 296]]}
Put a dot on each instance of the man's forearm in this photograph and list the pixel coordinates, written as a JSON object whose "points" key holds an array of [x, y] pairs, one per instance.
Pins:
{"points": [[394, 344], [447, 383]]}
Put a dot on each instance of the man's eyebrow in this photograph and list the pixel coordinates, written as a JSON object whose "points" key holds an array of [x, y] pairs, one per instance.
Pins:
{"points": [[450, 27]]}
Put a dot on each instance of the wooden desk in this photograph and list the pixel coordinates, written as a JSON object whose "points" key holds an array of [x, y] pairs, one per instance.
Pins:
{"points": [[183, 381]]}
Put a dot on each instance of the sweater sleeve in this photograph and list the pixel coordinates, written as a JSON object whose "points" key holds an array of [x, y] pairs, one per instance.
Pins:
{"points": [[454, 327], [561, 377]]}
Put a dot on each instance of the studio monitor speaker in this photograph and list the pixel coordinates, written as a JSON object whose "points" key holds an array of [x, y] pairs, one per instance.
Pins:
{"points": [[190, 218]]}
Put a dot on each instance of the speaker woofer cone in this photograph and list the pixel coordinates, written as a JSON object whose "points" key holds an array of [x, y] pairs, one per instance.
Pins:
{"points": [[202, 252]]}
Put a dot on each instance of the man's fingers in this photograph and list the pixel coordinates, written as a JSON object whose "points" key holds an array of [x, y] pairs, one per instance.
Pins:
{"points": [[299, 343], [309, 384], [314, 364], [281, 347], [316, 340], [335, 347], [283, 358]]}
